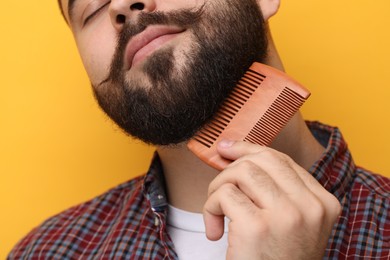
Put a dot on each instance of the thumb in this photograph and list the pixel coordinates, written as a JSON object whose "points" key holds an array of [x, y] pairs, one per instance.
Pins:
{"points": [[233, 150]]}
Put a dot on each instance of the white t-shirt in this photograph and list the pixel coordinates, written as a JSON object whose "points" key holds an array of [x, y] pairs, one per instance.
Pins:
{"points": [[188, 233]]}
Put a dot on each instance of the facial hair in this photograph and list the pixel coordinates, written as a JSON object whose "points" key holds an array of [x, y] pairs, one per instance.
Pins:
{"points": [[169, 103]]}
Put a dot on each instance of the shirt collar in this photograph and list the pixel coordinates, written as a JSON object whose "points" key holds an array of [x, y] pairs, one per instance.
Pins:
{"points": [[154, 186], [334, 170]]}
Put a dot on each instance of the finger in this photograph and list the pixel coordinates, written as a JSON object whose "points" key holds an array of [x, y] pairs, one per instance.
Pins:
{"points": [[286, 173], [234, 150], [252, 180], [275, 164], [329, 201], [302, 188], [227, 201]]}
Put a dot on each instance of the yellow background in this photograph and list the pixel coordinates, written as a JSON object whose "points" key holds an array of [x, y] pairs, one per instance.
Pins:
{"points": [[58, 149]]}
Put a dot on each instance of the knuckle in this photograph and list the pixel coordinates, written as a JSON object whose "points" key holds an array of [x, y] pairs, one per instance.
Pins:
{"points": [[219, 180], [267, 152], [260, 228], [248, 165], [254, 175], [227, 188], [332, 203], [211, 189], [335, 207], [231, 194], [250, 169], [317, 212], [284, 160], [294, 219], [206, 206], [279, 161], [312, 181], [275, 155], [321, 211]]}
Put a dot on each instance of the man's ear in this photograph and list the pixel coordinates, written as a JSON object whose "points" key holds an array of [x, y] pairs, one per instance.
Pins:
{"points": [[269, 8]]}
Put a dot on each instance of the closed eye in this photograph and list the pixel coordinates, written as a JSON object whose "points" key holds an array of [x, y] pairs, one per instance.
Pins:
{"points": [[94, 13]]}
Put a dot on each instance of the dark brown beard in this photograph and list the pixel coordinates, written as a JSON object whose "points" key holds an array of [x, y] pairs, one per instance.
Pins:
{"points": [[229, 37]]}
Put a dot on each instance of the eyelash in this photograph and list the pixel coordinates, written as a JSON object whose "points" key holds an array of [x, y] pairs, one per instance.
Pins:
{"points": [[95, 13]]}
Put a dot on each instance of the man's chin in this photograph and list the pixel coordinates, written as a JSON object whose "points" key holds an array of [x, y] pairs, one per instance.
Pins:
{"points": [[135, 78]]}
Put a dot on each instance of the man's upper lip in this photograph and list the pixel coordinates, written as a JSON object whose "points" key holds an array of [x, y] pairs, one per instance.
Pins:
{"points": [[142, 39]]}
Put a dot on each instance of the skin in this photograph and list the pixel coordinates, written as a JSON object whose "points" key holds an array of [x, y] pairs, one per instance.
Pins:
{"points": [[277, 209]]}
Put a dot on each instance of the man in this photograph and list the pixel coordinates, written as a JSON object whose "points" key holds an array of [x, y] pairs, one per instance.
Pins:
{"points": [[160, 70]]}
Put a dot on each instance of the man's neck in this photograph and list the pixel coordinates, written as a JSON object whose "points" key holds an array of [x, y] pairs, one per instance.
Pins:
{"points": [[187, 177]]}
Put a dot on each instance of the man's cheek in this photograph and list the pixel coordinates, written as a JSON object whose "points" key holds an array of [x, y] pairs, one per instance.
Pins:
{"points": [[97, 51], [97, 65]]}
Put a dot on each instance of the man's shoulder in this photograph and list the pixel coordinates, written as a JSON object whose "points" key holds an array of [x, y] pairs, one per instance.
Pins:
{"points": [[363, 227], [372, 183], [97, 205], [95, 215]]}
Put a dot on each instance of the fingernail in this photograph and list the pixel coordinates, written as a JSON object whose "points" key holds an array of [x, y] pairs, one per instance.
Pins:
{"points": [[225, 143]]}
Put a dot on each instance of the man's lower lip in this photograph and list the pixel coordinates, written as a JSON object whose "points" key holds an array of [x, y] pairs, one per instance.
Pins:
{"points": [[152, 46]]}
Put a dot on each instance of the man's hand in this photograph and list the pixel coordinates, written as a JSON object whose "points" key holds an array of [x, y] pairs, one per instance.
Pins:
{"points": [[277, 210]]}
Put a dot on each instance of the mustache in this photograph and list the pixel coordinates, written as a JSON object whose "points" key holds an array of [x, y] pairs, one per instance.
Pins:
{"points": [[184, 18]]}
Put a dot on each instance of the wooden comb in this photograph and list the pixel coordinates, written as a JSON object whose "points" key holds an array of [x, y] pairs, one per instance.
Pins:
{"points": [[256, 110]]}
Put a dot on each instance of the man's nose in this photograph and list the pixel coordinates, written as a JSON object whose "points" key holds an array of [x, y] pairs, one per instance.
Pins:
{"points": [[122, 11]]}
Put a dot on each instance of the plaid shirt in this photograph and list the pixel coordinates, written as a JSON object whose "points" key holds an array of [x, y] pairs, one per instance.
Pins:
{"points": [[129, 221]]}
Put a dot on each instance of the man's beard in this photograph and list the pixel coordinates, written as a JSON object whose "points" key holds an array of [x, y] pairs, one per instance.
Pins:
{"points": [[168, 104]]}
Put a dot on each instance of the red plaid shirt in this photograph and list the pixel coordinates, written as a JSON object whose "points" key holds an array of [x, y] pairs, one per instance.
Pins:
{"points": [[128, 222]]}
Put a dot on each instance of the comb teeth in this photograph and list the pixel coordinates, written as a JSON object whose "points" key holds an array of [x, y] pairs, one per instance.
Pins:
{"points": [[256, 110], [230, 107], [276, 116]]}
